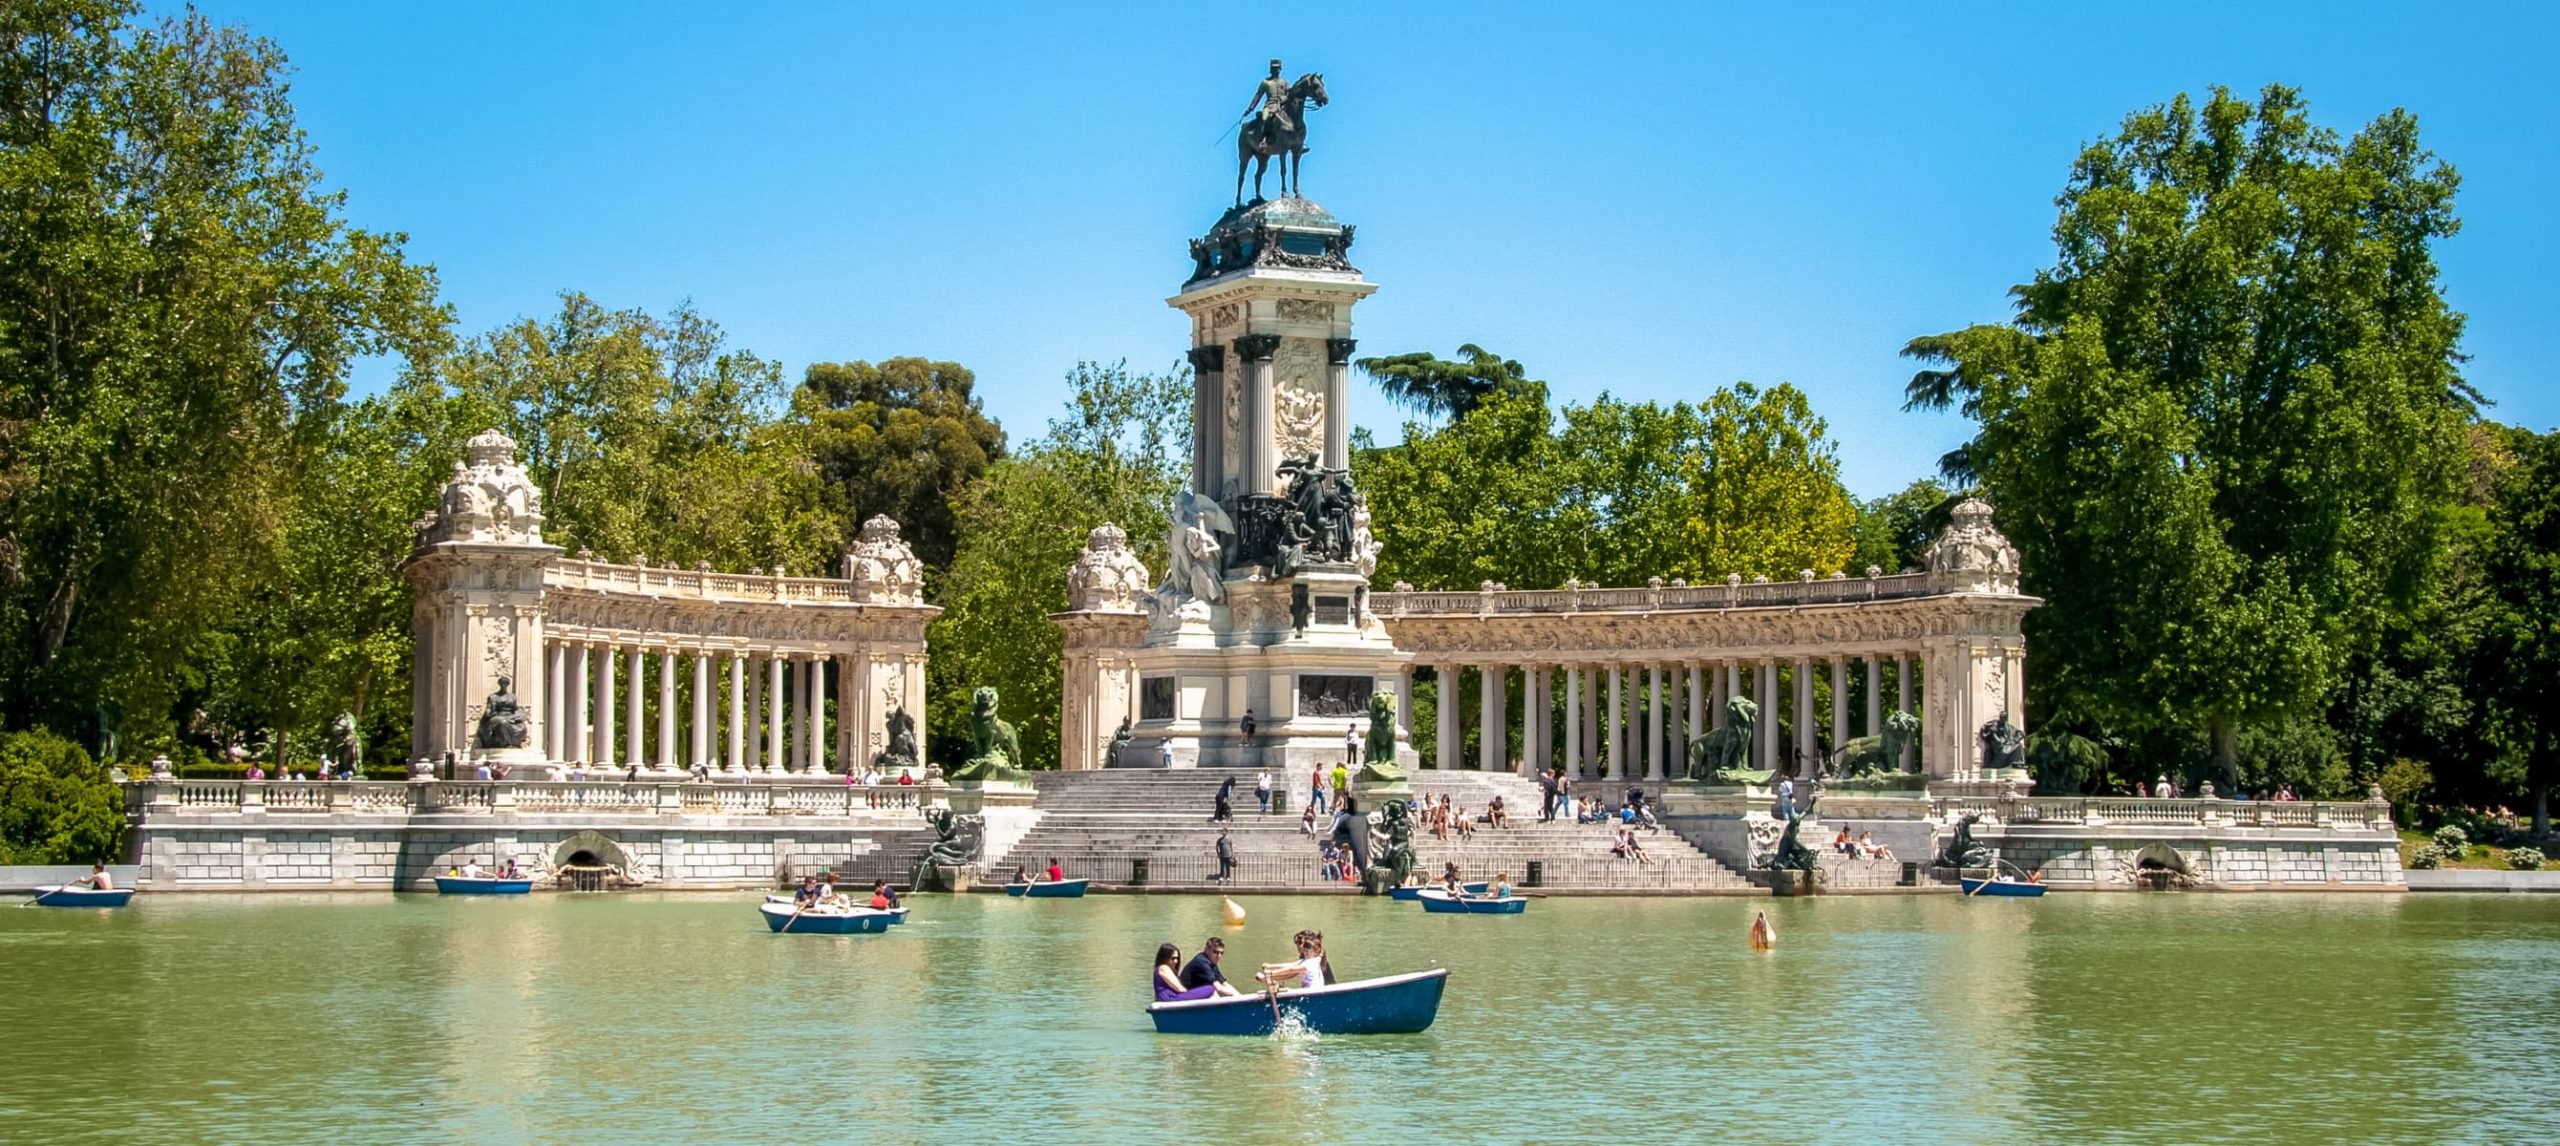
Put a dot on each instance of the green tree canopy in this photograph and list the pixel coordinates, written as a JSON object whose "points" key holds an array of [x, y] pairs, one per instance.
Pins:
{"points": [[1117, 455], [180, 301], [2516, 673], [1440, 387], [903, 438], [2225, 426]]}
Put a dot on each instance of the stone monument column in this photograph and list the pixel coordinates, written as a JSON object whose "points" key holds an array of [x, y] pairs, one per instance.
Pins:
{"points": [[702, 732], [1573, 720], [1444, 748], [667, 709], [574, 744], [1764, 735], [1104, 623], [776, 686], [1874, 677], [637, 690], [1208, 409], [476, 579], [1337, 402], [1260, 467]]}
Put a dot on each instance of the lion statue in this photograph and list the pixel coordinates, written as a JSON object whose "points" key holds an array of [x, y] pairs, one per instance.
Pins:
{"points": [[1378, 762], [1726, 749], [996, 753], [1868, 755]]}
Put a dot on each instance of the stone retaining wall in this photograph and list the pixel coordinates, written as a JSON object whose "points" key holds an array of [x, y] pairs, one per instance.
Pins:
{"points": [[234, 857]]}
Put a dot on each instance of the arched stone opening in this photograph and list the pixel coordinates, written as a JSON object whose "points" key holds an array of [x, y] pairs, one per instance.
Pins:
{"points": [[591, 861], [2160, 867]]}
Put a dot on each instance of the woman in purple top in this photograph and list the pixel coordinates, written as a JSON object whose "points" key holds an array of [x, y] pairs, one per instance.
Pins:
{"points": [[1168, 981]]}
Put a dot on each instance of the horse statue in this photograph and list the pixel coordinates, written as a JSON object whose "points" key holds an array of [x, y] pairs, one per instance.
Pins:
{"points": [[1868, 755], [1727, 748], [1962, 850], [1283, 135]]}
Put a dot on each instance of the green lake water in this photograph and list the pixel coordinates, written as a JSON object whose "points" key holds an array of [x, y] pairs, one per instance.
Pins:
{"points": [[647, 1018]]}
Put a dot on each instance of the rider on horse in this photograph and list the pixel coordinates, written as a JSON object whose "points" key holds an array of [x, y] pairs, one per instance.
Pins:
{"points": [[1271, 100]]}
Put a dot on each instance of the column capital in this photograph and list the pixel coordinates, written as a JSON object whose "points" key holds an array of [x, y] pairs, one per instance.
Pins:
{"points": [[1338, 350], [1210, 359], [1257, 347]]}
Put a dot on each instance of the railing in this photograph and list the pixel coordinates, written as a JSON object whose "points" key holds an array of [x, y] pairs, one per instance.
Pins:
{"points": [[1835, 589], [694, 584], [2111, 811], [646, 798]]}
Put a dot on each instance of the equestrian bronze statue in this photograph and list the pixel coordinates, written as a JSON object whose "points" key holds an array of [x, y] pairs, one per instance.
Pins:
{"points": [[1275, 124]]}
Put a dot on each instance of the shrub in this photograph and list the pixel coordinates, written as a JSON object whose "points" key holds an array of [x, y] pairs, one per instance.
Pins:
{"points": [[56, 804], [2453, 842], [2525, 859], [2426, 858]]}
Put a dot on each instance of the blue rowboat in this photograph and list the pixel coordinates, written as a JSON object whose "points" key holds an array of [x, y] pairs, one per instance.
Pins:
{"points": [[1393, 1005], [1048, 889], [84, 897], [1438, 902], [1413, 891], [482, 885], [834, 921], [2002, 887]]}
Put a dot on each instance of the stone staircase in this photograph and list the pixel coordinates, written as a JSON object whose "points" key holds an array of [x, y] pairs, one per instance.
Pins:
{"points": [[1102, 824]]}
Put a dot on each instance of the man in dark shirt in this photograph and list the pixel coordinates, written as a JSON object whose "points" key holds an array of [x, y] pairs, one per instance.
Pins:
{"points": [[1547, 794], [1203, 967]]}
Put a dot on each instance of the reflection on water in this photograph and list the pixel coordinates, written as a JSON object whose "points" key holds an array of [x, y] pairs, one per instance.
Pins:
{"points": [[1884, 1019]]}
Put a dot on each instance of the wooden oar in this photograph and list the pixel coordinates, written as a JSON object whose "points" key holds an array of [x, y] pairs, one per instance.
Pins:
{"points": [[41, 894]]}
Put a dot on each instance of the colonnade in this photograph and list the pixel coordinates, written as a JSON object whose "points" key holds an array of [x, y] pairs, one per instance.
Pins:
{"points": [[1634, 719], [775, 718]]}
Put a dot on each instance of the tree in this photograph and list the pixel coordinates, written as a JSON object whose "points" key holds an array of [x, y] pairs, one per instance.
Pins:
{"points": [[1117, 456], [2224, 428], [903, 438], [1439, 387], [183, 302], [1894, 530], [57, 806], [2516, 673]]}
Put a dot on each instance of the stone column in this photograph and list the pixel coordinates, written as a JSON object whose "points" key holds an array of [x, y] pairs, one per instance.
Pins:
{"points": [[1538, 710], [1444, 749], [1208, 421], [574, 742], [1699, 714], [1806, 719], [636, 697], [818, 754], [1256, 350], [777, 685], [1572, 763], [666, 710], [1764, 735], [1839, 702], [1651, 683], [1902, 702], [737, 714], [605, 659], [1337, 402], [702, 711], [555, 739], [1489, 730], [1722, 672], [1617, 710], [1875, 696]]}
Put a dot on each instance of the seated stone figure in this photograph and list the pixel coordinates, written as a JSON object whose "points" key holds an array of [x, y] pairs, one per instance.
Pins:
{"points": [[502, 720]]}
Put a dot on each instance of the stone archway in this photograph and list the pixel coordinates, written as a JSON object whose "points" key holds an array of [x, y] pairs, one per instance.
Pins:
{"points": [[589, 849], [2161, 856]]}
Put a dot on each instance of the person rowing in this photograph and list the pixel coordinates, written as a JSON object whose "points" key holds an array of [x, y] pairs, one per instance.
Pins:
{"points": [[1452, 882], [1310, 968], [98, 879]]}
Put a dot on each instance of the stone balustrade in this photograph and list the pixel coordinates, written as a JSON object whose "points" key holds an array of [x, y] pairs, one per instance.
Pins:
{"points": [[1732, 594], [187, 799], [696, 584]]}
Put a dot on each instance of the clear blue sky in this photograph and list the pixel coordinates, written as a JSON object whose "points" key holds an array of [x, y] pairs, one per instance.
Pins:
{"points": [[1647, 201]]}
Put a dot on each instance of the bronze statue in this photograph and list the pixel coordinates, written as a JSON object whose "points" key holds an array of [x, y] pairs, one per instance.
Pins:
{"points": [[1275, 124], [958, 842], [996, 752], [2004, 745], [1395, 863], [1962, 850], [1726, 749], [502, 721], [901, 752], [1378, 760], [1868, 755], [1792, 855]]}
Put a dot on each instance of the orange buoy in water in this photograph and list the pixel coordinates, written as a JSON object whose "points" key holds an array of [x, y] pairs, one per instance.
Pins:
{"points": [[1235, 914], [1764, 934]]}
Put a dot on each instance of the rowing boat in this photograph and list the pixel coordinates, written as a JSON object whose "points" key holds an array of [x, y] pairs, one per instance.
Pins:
{"points": [[482, 885], [1394, 1004], [826, 921], [84, 897], [1439, 902], [1413, 891], [1047, 889]]}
